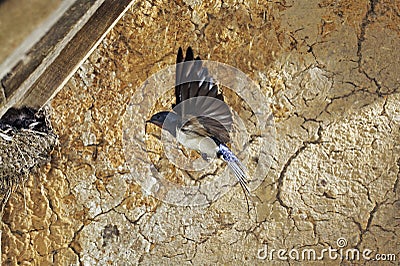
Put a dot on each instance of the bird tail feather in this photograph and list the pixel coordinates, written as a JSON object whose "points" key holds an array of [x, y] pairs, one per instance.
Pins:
{"points": [[239, 171], [237, 167]]}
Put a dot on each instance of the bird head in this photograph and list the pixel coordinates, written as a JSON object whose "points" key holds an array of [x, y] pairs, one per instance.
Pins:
{"points": [[166, 120], [158, 119]]}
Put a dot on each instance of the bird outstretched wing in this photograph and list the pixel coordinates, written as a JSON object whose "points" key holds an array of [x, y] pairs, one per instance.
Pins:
{"points": [[197, 96]]}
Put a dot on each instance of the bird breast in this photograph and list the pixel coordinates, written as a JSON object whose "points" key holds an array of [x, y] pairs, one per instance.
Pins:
{"points": [[202, 144]]}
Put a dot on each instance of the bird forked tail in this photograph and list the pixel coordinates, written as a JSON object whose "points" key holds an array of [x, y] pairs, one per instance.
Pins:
{"points": [[236, 166]]}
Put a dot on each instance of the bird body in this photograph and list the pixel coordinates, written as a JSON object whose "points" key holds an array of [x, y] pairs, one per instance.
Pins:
{"points": [[205, 145], [200, 119]]}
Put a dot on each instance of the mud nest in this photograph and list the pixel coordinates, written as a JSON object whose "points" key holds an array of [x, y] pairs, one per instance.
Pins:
{"points": [[26, 143]]}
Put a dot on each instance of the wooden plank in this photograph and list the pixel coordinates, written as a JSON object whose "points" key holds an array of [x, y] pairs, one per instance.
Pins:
{"points": [[35, 60], [42, 14], [47, 45], [36, 83]]}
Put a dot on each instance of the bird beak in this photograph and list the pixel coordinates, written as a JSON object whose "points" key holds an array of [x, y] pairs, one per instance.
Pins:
{"points": [[154, 122]]}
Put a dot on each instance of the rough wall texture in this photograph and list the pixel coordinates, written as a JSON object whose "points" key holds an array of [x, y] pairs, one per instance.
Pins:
{"points": [[329, 70]]}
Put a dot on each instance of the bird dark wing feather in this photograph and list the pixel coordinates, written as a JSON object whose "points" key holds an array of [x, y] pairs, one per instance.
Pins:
{"points": [[194, 127], [215, 129], [193, 80], [179, 67], [206, 127]]}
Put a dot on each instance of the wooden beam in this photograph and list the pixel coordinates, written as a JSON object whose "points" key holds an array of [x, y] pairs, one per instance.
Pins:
{"points": [[54, 59]]}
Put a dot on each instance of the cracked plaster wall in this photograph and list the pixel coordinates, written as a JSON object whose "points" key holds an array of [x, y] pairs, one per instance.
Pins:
{"points": [[330, 72]]}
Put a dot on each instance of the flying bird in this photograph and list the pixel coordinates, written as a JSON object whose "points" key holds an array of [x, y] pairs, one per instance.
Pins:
{"points": [[200, 119]]}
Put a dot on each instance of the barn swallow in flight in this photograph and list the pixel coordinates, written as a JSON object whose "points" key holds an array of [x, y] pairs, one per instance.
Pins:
{"points": [[200, 119]]}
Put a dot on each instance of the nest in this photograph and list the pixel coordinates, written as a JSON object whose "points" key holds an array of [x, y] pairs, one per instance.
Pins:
{"points": [[26, 143]]}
